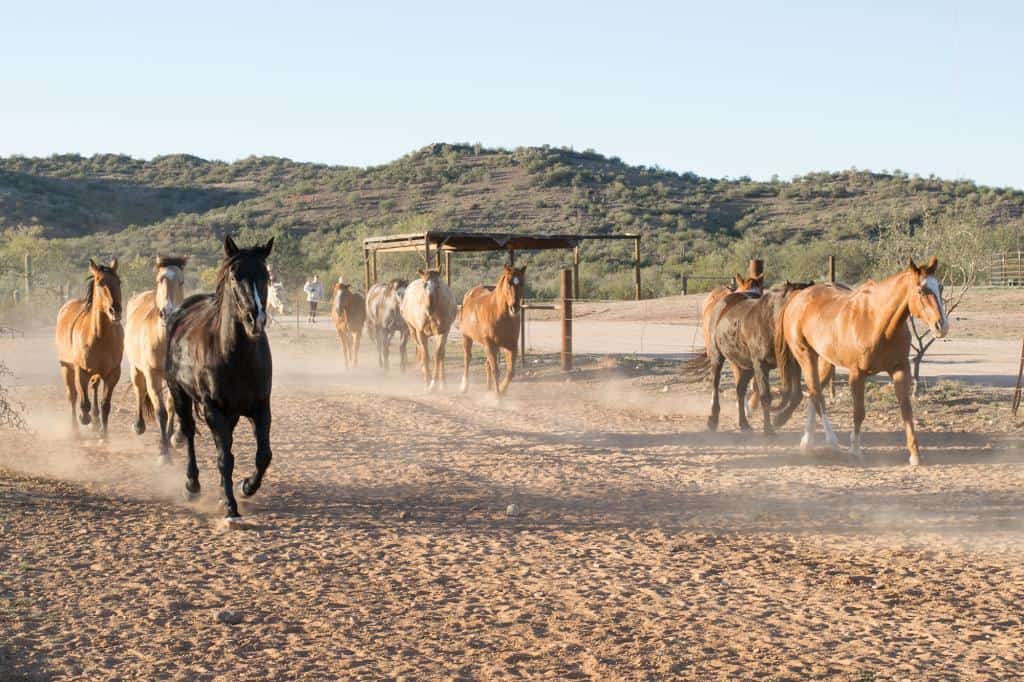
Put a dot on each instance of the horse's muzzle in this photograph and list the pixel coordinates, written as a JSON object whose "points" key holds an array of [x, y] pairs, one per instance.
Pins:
{"points": [[940, 329], [254, 325]]}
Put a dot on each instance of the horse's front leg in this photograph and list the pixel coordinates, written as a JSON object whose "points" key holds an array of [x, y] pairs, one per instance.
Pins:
{"points": [[403, 342], [68, 374], [510, 363], [901, 382], [155, 385], [84, 406], [356, 337], [467, 356], [857, 381], [261, 431], [440, 378], [383, 340], [423, 348], [222, 426], [183, 407], [139, 383]]}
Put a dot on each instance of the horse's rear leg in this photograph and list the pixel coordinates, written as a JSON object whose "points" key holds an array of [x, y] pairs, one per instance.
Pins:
{"points": [[261, 431], [222, 427], [139, 383], [808, 361], [745, 375], [467, 356], [901, 382], [355, 347], [187, 420], [382, 338], [155, 384], [716, 379], [67, 373], [857, 381], [791, 401], [402, 343], [762, 389]]}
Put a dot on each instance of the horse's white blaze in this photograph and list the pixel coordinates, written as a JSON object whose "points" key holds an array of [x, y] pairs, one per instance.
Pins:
{"points": [[515, 281], [931, 283], [260, 315], [169, 275]]}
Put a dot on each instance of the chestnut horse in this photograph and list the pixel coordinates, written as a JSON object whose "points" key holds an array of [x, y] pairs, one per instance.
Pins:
{"points": [[348, 312], [742, 330], [865, 331], [146, 346], [90, 344], [219, 366], [490, 316], [429, 309]]}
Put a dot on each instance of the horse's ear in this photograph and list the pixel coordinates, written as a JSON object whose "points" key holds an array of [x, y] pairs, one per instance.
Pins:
{"points": [[913, 265], [92, 265], [522, 270], [760, 279], [230, 247], [932, 266], [421, 272], [113, 264], [739, 280], [267, 248]]}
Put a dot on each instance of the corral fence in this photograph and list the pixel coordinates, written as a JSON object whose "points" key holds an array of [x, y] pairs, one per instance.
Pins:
{"points": [[1006, 269]]}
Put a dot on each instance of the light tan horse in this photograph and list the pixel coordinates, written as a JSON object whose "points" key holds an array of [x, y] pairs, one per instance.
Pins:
{"points": [[348, 312], [429, 309], [146, 322], [490, 317], [90, 344], [865, 331]]}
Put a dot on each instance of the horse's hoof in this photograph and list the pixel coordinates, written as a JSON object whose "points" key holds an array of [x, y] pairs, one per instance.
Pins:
{"points": [[712, 425], [139, 427], [85, 419], [192, 488], [806, 444], [164, 459], [247, 488], [178, 439]]}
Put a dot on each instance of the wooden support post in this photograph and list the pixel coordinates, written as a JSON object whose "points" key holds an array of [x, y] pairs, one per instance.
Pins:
{"points": [[756, 267], [686, 284], [437, 259], [832, 269], [373, 267], [512, 257], [448, 268], [1020, 383], [28, 275], [566, 296], [366, 268], [576, 272], [636, 263], [522, 336]]}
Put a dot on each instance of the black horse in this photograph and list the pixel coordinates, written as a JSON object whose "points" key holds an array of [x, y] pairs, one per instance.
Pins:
{"points": [[219, 365]]}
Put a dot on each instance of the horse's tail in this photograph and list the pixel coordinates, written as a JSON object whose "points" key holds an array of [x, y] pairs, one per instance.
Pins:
{"points": [[784, 359], [696, 368]]}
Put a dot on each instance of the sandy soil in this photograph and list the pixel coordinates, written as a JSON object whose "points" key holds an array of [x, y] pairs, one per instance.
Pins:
{"points": [[639, 548]]}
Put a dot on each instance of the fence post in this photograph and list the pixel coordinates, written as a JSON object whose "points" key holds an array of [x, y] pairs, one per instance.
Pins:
{"points": [[28, 275], [366, 268], [565, 295], [832, 269], [756, 267], [522, 335], [636, 263], [686, 284], [448, 268], [576, 271]]}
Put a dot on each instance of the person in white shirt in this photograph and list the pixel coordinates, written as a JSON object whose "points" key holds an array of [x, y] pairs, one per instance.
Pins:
{"points": [[314, 292]]}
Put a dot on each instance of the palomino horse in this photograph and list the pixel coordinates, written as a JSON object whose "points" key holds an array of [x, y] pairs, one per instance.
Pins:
{"points": [[219, 366], [275, 301], [742, 332], [429, 309], [384, 319], [90, 343], [490, 316], [865, 331], [146, 345], [348, 312]]}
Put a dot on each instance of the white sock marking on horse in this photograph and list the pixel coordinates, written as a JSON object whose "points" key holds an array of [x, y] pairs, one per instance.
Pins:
{"points": [[830, 435], [855, 444], [260, 315], [808, 436]]}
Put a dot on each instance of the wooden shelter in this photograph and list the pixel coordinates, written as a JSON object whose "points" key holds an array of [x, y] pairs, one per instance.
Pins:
{"points": [[437, 246]]}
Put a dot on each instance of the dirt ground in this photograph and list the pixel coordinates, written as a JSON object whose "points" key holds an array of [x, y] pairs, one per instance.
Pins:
{"points": [[383, 544]]}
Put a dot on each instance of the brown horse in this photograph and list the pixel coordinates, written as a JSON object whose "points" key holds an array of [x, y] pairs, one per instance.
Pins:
{"points": [[90, 343], [750, 285], [865, 331], [490, 316], [429, 309], [348, 312], [146, 346]]}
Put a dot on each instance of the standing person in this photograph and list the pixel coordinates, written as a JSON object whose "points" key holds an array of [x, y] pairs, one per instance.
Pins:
{"points": [[314, 292]]}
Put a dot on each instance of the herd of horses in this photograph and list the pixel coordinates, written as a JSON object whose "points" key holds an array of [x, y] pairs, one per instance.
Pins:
{"points": [[212, 354]]}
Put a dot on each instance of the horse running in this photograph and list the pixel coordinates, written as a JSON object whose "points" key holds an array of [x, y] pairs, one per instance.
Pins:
{"points": [[219, 365], [348, 312], [865, 331], [384, 319], [146, 322], [742, 332], [429, 309], [490, 317], [90, 344]]}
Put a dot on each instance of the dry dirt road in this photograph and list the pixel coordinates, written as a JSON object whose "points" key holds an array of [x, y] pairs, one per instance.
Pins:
{"points": [[380, 546]]}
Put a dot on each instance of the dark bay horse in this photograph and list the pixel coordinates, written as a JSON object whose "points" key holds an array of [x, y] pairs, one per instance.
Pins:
{"points": [[348, 312], [384, 319], [146, 323], [864, 330], [90, 344], [741, 330], [219, 365], [490, 317]]}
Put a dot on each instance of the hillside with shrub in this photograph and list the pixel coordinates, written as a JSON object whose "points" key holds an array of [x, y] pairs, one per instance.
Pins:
{"points": [[64, 209]]}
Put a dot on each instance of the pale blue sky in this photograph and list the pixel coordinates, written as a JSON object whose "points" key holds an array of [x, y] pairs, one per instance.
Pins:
{"points": [[724, 88]]}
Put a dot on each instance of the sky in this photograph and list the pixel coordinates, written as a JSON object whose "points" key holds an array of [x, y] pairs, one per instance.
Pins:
{"points": [[720, 89]]}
